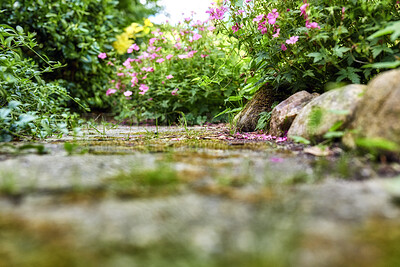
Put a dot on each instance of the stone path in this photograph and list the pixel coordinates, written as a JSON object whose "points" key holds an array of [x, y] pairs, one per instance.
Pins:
{"points": [[125, 199]]}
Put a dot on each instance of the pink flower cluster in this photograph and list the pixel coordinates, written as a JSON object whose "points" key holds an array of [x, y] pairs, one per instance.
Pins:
{"points": [[270, 18], [303, 12], [260, 137], [138, 68], [217, 13], [133, 47]]}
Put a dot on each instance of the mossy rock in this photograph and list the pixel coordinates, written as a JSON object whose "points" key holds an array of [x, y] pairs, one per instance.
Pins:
{"points": [[263, 99]]}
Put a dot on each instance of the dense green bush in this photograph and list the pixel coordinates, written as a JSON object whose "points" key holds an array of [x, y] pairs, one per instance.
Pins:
{"points": [[185, 69], [28, 104], [303, 45], [73, 32]]}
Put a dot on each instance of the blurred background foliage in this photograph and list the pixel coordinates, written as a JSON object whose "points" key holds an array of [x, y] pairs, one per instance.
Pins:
{"points": [[74, 32]]}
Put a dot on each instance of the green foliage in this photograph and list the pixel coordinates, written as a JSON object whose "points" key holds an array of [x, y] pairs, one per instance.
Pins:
{"points": [[73, 32], [182, 69], [265, 118], [393, 28], [377, 146], [135, 10], [327, 43], [28, 105], [299, 139]]}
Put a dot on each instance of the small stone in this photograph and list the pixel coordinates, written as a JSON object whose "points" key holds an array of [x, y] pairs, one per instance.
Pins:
{"points": [[284, 113]]}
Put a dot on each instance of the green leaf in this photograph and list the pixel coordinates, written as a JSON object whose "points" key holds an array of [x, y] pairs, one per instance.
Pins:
{"points": [[4, 112], [316, 55], [339, 51], [377, 144], [299, 139], [376, 50], [393, 28], [384, 65], [309, 73], [20, 29], [24, 119], [350, 74], [333, 134]]}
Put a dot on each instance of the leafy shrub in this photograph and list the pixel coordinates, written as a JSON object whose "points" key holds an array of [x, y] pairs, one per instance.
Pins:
{"points": [[28, 105], [296, 45], [184, 69], [73, 32]]}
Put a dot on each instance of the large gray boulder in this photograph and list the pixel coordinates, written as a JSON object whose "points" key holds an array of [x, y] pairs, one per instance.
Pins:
{"points": [[378, 115], [283, 114], [326, 110]]}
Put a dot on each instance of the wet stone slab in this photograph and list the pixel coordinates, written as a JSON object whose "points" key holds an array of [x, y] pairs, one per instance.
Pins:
{"points": [[178, 197]]}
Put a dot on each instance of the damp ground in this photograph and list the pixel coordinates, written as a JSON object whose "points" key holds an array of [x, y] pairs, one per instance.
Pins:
{"points": [[194, 196]]}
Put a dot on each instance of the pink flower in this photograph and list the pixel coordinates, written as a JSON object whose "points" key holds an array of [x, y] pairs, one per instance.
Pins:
{"points": [[102, 55], [152, 40], [169, 56], [160, 60], [110, 63], [277, 33], [111, 91], [235, 28], [217, 13], [128, 93], [281, 139], [344, 9], [191, 53], [183, 56], [120, 74], [283, 47], [148, 69], [292, 40], [312, 25], [240, 11], [196, 37], [303, 9], [127, 63], [134, 81], [272, 16], [264, 30], [169, 77], [178, 46], [175, 91], [133, 47], [211, 28], [258, 18], [203, 56], [276, 159], [247, 1], [143, 88]]}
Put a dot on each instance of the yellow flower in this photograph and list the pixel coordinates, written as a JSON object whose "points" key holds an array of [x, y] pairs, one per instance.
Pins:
{"points": [[147, 23], [122, 43], [126, 39], [131, 29]]}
